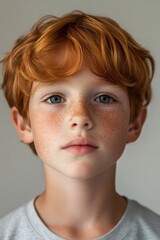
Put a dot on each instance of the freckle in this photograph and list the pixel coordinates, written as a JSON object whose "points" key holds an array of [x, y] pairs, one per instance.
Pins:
{"points": [[109, 121]]}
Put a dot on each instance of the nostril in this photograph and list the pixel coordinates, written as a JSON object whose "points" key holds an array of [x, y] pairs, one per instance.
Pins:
{"points": [[74, 124], [81, 122]]}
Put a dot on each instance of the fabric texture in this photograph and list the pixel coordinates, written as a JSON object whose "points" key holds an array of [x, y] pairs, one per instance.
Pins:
{"points": [[137, 223]]}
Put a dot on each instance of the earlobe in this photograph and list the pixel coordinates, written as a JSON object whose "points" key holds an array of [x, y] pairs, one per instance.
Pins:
{"points": [[22, 126], [136, 126]]}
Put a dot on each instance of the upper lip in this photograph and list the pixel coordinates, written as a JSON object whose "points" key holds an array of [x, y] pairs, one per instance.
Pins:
{"points": [[80, 142]]}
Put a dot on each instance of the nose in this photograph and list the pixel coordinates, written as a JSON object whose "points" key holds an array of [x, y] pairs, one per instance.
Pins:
{"points": [[80, 117], [81, 122]]}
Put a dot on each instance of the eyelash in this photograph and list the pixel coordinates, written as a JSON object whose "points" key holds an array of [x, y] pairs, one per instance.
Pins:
{"points": [[108, 99]]}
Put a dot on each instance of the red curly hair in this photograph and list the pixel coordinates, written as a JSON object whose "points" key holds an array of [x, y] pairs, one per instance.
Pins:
{"points": [[72, 40]]}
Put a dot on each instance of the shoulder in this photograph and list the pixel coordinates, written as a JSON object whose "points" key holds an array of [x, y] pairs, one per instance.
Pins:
{"points": [[25, 223], [15, 225], [143, 213], [145, 222]]}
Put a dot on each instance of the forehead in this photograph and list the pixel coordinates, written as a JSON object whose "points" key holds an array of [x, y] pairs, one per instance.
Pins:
{"points": [[83, 77], [83, 82]]}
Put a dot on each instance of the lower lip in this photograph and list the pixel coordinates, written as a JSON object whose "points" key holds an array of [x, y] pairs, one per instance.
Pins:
{"points": [[81, 149]]}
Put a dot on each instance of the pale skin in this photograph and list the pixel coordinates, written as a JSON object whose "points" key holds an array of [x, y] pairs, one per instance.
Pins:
{"points": [[80, 200]]}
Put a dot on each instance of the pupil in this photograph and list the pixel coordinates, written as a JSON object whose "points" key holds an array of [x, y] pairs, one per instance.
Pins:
{"points": [[104, 99], [55, 99]]}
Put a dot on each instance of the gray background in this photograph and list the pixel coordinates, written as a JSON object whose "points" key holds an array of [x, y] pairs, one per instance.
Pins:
{"points": [[138, 175]]}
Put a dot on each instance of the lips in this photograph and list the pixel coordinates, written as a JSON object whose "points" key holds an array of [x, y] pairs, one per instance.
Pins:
{"points": [[80, 145], [80, 142]]}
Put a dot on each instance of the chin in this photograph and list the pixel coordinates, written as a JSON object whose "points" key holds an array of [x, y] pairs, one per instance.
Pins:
{"points": [[84, 171]]}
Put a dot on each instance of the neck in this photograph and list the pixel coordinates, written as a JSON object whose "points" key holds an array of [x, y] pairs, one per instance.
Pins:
{"points": [[79, 203]]}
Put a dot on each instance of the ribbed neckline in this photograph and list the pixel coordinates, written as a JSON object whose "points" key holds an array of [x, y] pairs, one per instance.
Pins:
{"points": [[117, 233]]}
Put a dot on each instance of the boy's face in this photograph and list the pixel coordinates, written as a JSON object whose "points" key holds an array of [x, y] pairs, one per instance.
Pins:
{"points": [[79, 126]]}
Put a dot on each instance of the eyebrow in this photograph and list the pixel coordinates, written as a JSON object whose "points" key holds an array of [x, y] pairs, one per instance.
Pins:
{"points": [[60, 81], [42, 84]]}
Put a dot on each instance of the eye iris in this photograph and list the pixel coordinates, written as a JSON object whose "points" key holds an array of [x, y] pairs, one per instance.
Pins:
{"points": [[104, 99], [55, 99]]}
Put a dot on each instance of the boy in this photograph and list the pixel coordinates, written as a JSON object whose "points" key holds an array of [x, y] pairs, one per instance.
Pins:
{"points": [[78, 87]]}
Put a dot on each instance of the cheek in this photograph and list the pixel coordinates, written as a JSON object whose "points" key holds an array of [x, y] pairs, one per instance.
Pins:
{"points": [[113, 129], [113, 122], [45, 130]]}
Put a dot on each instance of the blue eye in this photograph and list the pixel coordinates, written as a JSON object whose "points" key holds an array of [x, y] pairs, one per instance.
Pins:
{"points": [[55, 99], [104, 99]]}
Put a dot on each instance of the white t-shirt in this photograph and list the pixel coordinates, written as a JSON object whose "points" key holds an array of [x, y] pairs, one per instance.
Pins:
{"points": [[137, 223]]}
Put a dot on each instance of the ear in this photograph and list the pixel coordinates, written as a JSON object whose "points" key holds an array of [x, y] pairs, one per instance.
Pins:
{"points": [[135, 127], [22, 126]]}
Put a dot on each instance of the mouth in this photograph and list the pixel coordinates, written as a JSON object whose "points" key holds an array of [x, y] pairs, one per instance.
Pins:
{"points": [[81, 146]]}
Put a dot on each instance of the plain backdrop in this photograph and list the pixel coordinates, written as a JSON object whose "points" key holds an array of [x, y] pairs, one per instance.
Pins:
{"points": [[138, 173]]}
